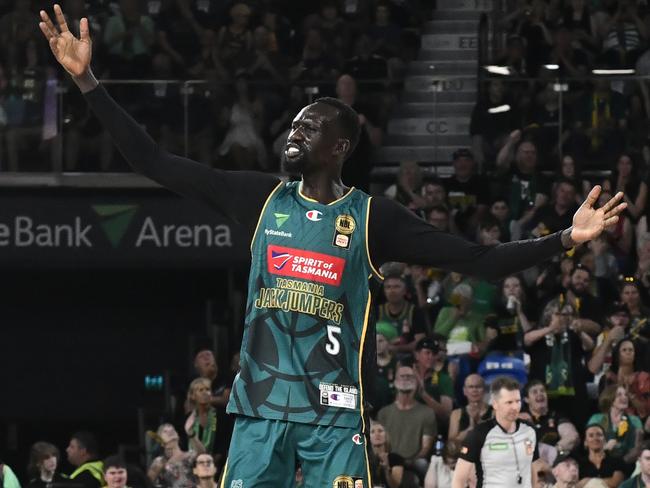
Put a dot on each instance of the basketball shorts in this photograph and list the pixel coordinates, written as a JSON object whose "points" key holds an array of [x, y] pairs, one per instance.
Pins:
{"points": [[264, 454]]}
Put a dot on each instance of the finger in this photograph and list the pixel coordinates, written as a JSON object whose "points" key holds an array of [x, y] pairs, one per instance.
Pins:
{"points": [[84, 31], [613, 201], [616, 210], [610, 221], [45, 30], [60, 18], [48, 22], [592, 198]]}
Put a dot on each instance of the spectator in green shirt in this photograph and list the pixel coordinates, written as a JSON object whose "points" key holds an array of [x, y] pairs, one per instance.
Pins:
{"points": [[8, 478], [623, 432], [459, 323]]}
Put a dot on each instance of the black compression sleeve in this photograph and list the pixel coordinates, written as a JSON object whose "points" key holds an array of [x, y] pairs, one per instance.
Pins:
{"points": [[239, 195], [396, 234]]}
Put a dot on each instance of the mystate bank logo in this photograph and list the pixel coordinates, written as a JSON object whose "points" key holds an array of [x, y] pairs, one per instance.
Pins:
{"points": [[115, 220], [308, 265], [116, 225]]}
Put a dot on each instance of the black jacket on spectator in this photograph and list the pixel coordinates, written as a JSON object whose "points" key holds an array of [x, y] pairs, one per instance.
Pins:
{"points": [[610, 464]]}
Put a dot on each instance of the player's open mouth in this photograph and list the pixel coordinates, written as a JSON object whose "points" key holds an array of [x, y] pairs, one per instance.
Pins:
{"points": [[292, 151]]}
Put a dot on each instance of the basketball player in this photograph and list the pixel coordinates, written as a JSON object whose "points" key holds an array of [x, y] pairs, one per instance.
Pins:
{"points": [[316, 246]]}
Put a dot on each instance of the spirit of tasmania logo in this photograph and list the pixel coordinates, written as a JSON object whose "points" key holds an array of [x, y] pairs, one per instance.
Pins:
{"points": [[308, 265]]}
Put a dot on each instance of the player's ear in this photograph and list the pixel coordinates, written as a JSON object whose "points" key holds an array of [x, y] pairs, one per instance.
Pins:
{"points": [[342, 146]]}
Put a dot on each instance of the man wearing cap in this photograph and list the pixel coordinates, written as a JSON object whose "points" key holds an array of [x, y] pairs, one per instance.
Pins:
{"points": [[565, 471], [467, 192], [436, 390], [641, 480]]}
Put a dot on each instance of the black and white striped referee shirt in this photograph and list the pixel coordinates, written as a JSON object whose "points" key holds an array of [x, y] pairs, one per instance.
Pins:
{"points": [[502, 460]]}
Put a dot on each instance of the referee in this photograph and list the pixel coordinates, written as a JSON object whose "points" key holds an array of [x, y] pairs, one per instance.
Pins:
{"points": [[501, 449]]}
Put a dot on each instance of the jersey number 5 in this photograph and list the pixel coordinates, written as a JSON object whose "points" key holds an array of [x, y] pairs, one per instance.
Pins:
{"points": [[333, 345]]}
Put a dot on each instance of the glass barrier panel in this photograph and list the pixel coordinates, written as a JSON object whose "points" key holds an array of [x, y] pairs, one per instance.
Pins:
{"points": [[29, 124]]}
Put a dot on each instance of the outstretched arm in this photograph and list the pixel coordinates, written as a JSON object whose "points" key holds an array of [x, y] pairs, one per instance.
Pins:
{"points": [[239, 195], [396, 234]]}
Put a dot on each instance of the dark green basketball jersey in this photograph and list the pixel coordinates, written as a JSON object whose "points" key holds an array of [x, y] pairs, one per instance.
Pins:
{"points": [[308, 311]]}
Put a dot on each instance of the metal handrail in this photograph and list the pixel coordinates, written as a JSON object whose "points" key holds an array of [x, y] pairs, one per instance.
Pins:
{"points": [[483, 39]]}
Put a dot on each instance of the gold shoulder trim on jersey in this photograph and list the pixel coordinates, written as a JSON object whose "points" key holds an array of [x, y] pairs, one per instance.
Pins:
{"points": [[361, 347], [375, 271]]}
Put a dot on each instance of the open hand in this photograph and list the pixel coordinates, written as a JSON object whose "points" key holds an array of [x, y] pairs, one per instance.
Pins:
{"points": [[72, 53], [589, 222]]}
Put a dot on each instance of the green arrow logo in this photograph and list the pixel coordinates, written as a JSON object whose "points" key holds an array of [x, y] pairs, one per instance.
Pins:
{"points": [[280, 219], [115, 220]]}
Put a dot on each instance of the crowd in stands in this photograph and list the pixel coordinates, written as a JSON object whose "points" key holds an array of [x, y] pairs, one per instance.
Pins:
{"points": [[575, 331], [551, 50], [260, 62]]}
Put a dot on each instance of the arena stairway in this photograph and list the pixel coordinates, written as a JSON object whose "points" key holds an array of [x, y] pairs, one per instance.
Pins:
{"points": [[432, 119]]}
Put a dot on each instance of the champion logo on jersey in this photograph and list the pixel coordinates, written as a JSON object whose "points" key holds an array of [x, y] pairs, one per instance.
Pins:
{"points": [[314, 215], [357, 439], [280, 259]]}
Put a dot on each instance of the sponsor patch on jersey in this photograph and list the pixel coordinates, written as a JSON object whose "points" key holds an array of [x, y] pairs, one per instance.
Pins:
{"points": [[464, 450], [340, 396], [314, 215], [341, 240], [345, 224], [358, 483], [530, 447], [237, 484], [498, 446], [343, 228], [308, 265], [343, 481], [357, 439], [280, 219], [278, 233]]}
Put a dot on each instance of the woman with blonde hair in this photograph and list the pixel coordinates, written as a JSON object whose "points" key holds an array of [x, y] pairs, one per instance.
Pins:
{"points": [[388, 470], [202, 421], [174, 468]]}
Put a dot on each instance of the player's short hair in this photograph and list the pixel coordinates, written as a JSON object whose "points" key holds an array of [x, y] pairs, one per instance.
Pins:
{"points": [[347, 119], [503, 383]]}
